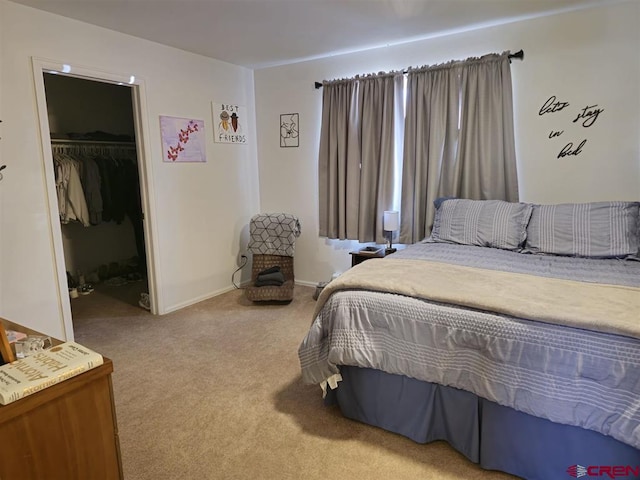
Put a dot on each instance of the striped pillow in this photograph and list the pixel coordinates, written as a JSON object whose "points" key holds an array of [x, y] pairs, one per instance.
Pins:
{"points": [[599, 229], [485, 223]]}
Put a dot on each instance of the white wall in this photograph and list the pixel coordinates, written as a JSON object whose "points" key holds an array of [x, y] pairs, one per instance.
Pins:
{"points": [[585, 58], [199, 212]]}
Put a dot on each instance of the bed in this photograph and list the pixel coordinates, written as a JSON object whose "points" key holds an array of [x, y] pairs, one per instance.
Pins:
{"points": [[512, 333]]}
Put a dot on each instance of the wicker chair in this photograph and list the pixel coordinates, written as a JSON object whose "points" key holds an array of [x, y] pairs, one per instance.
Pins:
{"points": [[282, 293]]}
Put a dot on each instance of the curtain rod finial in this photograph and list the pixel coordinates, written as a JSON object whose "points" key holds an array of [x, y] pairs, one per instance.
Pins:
{"points": [[318, 85], [519, 55]]}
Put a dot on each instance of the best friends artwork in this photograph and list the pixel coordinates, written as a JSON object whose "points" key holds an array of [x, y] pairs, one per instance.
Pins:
{"points": [[229, 122]]}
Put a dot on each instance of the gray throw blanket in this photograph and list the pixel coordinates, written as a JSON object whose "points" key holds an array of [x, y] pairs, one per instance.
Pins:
{"points": [[274, 234], [273, 279], [604, 308]]}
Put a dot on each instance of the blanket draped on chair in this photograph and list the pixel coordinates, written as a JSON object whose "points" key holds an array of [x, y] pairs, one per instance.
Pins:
{"points": [[273, 234]]}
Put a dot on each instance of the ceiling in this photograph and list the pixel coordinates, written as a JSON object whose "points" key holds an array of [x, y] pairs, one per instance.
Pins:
{"points": [[263, 33]]}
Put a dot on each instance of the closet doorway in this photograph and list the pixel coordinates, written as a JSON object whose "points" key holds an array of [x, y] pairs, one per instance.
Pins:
{"points": [[102, 252]]}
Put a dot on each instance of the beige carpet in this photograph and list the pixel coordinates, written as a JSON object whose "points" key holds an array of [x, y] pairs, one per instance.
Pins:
{"points": [[214, 392]]}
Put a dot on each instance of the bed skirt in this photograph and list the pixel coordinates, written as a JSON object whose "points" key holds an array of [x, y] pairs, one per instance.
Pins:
{"points": [[495, 437]]}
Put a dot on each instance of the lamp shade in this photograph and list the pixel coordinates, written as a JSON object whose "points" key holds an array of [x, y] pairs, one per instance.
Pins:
{"points": [[391, 220]]}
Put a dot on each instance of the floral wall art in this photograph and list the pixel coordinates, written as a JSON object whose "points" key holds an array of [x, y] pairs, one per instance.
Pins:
{"points": [[183, 140]]}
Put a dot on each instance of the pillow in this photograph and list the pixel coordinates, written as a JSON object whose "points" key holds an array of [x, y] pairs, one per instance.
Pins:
{"points": [[438, 201], [598, 229], [485, 223]]}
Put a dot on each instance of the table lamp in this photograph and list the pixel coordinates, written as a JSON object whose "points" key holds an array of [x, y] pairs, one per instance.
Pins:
{"points": [[390, 223]]}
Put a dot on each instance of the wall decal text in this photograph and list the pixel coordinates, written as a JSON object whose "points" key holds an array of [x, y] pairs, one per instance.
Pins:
{"points": [[585, 117]]}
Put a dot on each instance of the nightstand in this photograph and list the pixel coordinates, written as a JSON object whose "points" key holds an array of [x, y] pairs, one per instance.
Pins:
{"points": [[359, 257]]}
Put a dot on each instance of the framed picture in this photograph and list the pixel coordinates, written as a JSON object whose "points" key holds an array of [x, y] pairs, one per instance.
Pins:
{"points": [[289, 128], [183, 140], [229, 122]]}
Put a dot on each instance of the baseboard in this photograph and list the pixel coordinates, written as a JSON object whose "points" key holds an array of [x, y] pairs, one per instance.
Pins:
{"points": [[199, 299], [207, 296]]}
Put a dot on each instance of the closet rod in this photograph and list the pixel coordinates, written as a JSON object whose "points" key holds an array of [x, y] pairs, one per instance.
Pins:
{"points": [[518, 55], [63, 141]]}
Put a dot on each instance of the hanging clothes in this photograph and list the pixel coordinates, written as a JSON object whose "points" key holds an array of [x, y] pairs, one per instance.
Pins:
{"points": [[98, 182], [102, 174], [72, 203], [92, 182]]}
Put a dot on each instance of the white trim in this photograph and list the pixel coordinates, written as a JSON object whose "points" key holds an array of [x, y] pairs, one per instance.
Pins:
{"points": [[40, 66], [147, 195], [55, 233], [80, 71], [201, 298], [207, 296]]}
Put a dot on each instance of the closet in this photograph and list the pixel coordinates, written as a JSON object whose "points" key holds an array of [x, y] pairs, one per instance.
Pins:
{"points": [[98, 191]]}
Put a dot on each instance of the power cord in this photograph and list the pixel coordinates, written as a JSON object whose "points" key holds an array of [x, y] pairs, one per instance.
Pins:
{"points": [[243, 257]]}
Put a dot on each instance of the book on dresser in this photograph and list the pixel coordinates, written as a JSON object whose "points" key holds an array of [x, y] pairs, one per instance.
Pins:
{"points": [[45, 368]]}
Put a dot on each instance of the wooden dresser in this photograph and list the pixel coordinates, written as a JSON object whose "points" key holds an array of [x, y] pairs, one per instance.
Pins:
{"points": [[67, 431]]}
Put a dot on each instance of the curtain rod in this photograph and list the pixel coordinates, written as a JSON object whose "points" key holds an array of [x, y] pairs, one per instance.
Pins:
{"points": [[519, 55]]}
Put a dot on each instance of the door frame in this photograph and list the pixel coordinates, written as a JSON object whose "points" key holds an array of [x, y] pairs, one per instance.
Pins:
{"points": [[147, 196]]}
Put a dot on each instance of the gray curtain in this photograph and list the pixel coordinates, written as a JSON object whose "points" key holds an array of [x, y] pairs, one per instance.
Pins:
{"points": [[459, 139], [357, 156]]}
